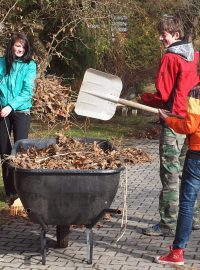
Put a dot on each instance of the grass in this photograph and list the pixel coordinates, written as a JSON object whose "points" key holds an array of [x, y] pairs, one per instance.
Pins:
{"points": [[2, 203], [117, 128]]}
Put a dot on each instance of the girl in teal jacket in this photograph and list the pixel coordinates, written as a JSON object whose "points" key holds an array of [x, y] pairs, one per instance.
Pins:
{"points": [[17, 76]]}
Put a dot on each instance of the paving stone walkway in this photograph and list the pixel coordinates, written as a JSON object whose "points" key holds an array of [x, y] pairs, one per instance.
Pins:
{"points": [[20, 239]]}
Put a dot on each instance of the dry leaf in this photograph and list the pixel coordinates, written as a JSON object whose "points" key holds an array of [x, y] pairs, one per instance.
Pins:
{"points": [[71, 154]]}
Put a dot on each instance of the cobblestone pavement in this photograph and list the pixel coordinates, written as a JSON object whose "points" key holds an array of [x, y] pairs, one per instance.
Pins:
{"points": [[20, 239]]}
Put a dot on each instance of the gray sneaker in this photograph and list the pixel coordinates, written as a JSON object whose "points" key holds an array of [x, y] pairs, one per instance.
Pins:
{"points": [[153, 231], [195, 226], [168, 232]]}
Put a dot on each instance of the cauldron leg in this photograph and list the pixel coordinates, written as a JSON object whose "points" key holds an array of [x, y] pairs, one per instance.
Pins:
{"points": [[43, 247], [62, 233], [89, 235]]}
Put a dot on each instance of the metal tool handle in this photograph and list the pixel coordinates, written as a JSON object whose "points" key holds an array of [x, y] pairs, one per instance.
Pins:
{"points": [[6, 125]]}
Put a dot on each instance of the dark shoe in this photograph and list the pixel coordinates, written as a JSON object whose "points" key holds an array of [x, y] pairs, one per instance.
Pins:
{"points": [[175, 257], [195, 226], [153, 231]]}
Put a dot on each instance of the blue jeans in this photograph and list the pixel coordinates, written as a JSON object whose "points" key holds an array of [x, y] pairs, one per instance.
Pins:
{"points": [[190, 186]]}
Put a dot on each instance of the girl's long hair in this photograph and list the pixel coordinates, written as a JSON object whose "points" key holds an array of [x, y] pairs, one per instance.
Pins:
{"points": [[10, 56]]}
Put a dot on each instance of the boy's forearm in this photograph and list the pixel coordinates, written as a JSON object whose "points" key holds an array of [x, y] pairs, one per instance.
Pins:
{"points": [[187, 125], [175, 124]]}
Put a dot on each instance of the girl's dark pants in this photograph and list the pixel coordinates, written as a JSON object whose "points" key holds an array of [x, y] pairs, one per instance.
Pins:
{"points": [[19, 124]]}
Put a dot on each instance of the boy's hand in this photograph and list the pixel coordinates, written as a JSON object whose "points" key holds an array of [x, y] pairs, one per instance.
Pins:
{"points": [[5, 111], [163, 114], [139, 100]]}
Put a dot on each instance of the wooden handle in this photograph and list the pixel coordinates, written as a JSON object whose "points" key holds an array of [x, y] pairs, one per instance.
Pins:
{"points": [[137, 105]]}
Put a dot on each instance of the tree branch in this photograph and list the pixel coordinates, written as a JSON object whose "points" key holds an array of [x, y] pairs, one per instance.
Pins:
{"points": [[9, 12]]}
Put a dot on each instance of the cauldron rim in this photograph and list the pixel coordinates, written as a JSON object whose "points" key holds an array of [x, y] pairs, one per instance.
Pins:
{"points": [[65, 171], [49, 141]]}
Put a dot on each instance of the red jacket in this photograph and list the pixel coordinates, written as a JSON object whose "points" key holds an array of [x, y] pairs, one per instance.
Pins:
{"points": [[175, 78]]}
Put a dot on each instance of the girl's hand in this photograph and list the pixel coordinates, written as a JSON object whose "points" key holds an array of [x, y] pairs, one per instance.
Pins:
{"points": [[6, 111]]}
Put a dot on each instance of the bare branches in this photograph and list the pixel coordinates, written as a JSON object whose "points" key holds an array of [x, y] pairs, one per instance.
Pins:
{"points": [[8, 12], [66, 31]]}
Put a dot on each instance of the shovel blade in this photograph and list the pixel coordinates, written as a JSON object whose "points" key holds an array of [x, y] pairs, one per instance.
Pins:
{"points": [[98, 95]]}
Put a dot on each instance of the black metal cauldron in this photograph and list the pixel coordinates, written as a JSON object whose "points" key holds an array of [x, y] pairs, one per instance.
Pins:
{"points": [[65, 197]]}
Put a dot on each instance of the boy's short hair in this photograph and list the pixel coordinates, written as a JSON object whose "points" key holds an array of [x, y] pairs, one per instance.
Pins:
{"points": [[171, 24]]}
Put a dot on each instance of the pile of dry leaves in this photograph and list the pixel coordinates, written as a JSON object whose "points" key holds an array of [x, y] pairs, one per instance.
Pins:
{"points": [[70, 154], [52, 101], [149, 133]]}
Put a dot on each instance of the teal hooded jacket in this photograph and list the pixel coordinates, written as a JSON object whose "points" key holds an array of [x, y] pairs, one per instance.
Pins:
{"points": [[16, 88]]}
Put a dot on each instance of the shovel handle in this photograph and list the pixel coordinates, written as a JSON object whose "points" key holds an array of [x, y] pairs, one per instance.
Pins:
{"points": [[144, 107], [137, 105]]}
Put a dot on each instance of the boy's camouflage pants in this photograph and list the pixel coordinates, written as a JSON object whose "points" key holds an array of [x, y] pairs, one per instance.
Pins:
{"points": [[172, 151]]}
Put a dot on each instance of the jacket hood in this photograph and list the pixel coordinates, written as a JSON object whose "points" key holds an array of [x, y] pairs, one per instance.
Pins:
{"points": [[185, 50]]}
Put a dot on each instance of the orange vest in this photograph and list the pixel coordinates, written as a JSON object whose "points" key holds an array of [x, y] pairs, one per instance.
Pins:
{"points": [[190, 125]]}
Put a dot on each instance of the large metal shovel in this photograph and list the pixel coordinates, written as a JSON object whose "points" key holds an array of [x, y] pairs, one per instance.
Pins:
{"points": [[99, 95]]}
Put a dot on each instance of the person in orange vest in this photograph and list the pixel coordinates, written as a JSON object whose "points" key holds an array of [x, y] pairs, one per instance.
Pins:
{"points": [[190, 184]]}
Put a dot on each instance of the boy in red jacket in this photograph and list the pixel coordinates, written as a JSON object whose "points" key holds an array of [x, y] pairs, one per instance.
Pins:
{"points": [[190, 184], [177, 74]]}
